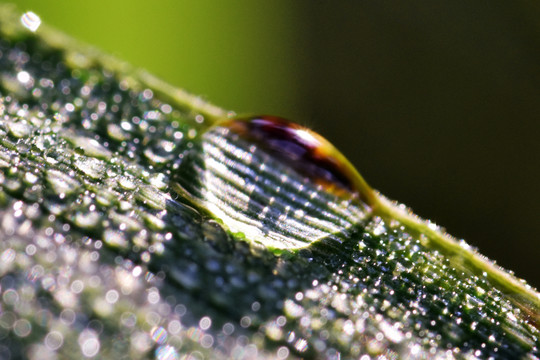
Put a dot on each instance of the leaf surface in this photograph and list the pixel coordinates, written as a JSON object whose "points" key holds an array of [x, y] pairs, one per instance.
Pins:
{"points": [[102, 257]]}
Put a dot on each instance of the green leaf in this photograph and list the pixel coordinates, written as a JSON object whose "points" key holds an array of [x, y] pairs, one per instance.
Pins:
{"points": [[114, 243]]}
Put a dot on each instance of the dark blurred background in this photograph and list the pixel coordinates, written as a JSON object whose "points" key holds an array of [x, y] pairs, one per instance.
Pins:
{"points": [[436, 103]]}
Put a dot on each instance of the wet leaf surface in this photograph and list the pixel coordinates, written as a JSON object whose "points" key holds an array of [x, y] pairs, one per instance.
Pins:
{"points": [[99, 257]]}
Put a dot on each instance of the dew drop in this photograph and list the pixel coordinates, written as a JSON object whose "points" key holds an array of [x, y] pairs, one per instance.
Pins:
{"points": [[22, 328], [156, 158], [92, 167], [89, 343], [166, 352], [115, 239], [54, 340], [19, 129], [60, 182], [30, 21], [116, 132], [86, 220], [158, 180], [126, 183], [159, 335], [24, 77], [7, 256], [90, 147], [276, 182], [30, 178]]}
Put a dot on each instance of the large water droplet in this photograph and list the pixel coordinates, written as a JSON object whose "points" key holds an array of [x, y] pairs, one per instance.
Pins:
{"points": [[276, 182]]}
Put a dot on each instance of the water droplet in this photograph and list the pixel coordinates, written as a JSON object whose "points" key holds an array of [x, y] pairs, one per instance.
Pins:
{"points": [[86, 220], [90, 166], [115, 239], [22, 328], [158, 180], [301, 345], [30, 21], [88, 146], [116, 132], [205, 323], [89, 343], [54, 340], [20, 129], [156, 158], [31, 178], [126, 183], [159, 335], [273, 181], [61, 183], [7, 256], [24, 77], [166, 352]]}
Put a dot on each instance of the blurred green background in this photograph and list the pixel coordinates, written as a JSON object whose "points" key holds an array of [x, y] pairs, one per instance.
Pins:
{"points": [[436, 103]]}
